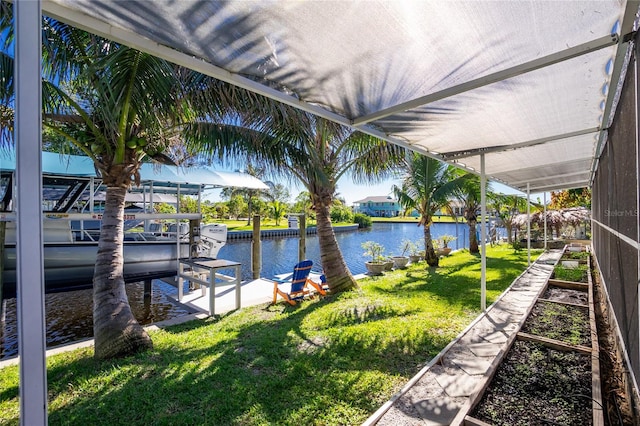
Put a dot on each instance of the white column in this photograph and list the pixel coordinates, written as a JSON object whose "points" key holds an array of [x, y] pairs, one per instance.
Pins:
{"points": [[637, 95], [91, 194], [29, 247], [528, 224], [545, 219], [483, 236]]}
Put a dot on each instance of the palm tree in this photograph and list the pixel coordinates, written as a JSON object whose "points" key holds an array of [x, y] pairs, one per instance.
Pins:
{"points": [[427, 187], [317, 153], [278, 196], [469, 195], [507, 207], [120, 107]]}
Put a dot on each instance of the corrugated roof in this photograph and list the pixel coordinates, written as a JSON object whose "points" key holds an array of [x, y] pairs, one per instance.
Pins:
{"points": [[526, 83]]}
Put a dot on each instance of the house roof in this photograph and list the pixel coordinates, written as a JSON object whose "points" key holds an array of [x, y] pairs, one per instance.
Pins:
{"points": [[377, 199], [526, 87]]}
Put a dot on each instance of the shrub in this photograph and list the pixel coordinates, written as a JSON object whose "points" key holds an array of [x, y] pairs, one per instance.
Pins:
{"points": [[341, 214], [362, 220]]}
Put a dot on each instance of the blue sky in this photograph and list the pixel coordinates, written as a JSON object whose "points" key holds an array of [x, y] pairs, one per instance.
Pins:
{"points": [[352, 192]]}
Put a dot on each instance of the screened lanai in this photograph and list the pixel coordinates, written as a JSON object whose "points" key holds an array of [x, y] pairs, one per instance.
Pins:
{"points": [[522, 92]]}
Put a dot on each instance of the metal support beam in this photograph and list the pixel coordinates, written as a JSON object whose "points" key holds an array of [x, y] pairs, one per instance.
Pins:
{"points": [[483, 236], [455, 155], [536, 64], [547, 177], [29, 247], [637, 158], [528, 225], [545, 219], [560, 185]]}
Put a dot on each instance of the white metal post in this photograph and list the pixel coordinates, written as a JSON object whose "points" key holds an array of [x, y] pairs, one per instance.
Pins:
{"points": [[528, 224], [545, 219], [637, 157], [483, 236], [29, 247], [91, 195]]}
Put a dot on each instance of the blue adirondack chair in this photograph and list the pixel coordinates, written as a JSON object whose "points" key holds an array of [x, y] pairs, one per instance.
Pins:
{"points": [[298, 282]]}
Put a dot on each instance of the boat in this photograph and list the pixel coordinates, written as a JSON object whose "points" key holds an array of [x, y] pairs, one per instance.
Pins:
{"points": [[153, 242]]}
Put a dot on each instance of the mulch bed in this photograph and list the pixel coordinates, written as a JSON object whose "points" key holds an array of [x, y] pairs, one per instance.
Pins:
{"points": [[536, 385], [567, 323]]}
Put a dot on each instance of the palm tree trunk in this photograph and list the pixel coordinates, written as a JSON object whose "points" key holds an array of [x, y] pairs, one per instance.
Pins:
{"points": [[473, 241], [115, 329], [509, 227], [430, 253], [338, 276]]}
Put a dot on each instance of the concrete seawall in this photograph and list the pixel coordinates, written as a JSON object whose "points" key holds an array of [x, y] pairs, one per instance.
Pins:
{"points": [[288, 232]]}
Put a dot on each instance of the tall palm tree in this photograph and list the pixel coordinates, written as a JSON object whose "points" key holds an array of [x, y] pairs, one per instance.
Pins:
{"points": [[469, 195], [317, 153], [120, 107], [427, 187]]}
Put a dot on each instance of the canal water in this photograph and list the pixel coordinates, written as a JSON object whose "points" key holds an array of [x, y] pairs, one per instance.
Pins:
{"points": [[280, 254], [69, 314]]}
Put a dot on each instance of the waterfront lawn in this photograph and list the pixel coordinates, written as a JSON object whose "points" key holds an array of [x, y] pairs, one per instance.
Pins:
{"points": [[325, 362]]}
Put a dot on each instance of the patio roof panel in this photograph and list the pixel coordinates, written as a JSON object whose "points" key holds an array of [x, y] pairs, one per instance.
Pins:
{"points": [[345, 60]]}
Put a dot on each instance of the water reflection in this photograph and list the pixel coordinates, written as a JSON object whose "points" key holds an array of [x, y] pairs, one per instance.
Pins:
{"points": [[69, 316]]}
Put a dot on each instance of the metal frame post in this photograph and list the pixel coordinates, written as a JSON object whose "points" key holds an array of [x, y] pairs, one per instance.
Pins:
{"points": [[29, 248], [528, 224], [483, 236], [544, 197]]}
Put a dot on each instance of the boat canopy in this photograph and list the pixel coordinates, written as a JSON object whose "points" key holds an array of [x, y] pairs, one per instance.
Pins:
{"points": [[161, 176]]}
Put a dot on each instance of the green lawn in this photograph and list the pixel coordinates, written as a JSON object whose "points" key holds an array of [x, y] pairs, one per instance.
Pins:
{"points": [[330, 361]]}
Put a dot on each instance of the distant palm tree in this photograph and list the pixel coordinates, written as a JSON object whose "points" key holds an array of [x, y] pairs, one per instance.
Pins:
{"points": [[427, 187], [507, 207], [315, 152], [278, 196], [469, 195]]}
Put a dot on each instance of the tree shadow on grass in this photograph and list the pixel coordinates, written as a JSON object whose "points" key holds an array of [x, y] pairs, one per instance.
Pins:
{"points": [[232, 371]]}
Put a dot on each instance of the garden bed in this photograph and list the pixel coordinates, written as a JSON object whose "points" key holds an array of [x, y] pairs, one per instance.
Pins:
{"points": [[548, 374], [537, 385]]}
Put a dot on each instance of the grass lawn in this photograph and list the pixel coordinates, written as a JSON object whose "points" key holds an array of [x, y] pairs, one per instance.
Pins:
{"points": [[330, 361]]}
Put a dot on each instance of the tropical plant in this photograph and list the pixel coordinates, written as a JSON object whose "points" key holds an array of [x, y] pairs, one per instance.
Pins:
{"points": [[374, 250], [341, 213], [120, 107], [362, 220], [278, 196], [446, 239], [302, 204], [278, 210], [317, 153], [469, 195], [507, 207], [427, 186], [237, 205]]}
